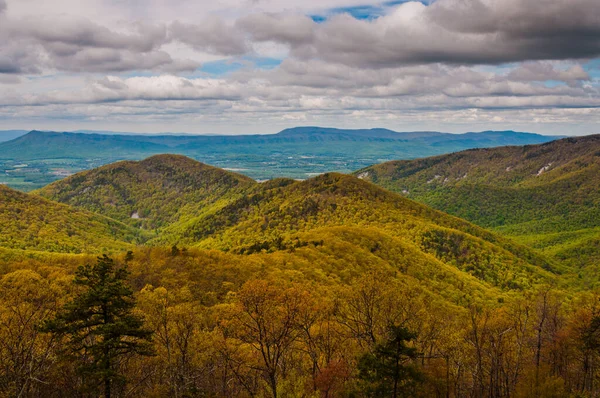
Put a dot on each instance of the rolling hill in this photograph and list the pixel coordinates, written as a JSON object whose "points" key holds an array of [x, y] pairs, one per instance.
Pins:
{"points": [[347, 258], [545, 196], [192, 204], [29, 222], [150, 193]]}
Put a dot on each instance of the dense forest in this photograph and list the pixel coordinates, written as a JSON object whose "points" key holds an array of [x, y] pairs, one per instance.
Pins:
{"points": [[544, 196], [225, 325], [167, 277]]}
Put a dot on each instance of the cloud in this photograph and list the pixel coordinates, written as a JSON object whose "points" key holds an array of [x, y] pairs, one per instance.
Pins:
{"points": [[213, 36], [2, 6], [448, 31], [463, 32], [295, 30], [545, 71], [461, 62], [79, 45]]}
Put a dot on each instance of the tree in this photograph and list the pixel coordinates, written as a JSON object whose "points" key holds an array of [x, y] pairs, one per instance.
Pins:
{"points": [[26, 355], [269, 320], [99, 324], [385, 371]]}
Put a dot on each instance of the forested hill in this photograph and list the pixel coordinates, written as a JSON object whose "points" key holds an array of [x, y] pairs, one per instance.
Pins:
{"points": [[149, 193], [28, 222], [546, 195], [339, 215], [187, 203]]}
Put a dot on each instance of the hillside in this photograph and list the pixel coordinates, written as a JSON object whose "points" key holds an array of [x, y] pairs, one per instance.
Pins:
{"points": [[320, 267], [545, 196], [150, 193], [38, 158], [188, 203], [28, 222], [335, 209]]}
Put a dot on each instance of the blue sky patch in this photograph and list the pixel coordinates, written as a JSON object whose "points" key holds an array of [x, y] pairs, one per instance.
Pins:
{"points": [[226, 66], [364, 12]]}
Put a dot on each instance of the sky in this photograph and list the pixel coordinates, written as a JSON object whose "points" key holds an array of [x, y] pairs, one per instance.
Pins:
{"points": [[259, 66]]}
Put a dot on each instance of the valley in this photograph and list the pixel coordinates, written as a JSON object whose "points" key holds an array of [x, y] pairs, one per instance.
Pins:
{"points": [[37, 158]]}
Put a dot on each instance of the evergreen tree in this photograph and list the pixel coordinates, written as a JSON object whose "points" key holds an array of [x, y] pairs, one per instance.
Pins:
{"points": [[384, 371], [99, 324]]}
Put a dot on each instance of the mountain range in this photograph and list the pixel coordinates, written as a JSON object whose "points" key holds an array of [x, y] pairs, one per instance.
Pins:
{"points": [[172, 200], [293, 153]]}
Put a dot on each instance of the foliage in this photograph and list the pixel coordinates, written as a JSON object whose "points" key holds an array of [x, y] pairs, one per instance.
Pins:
{"points": [[151, 193], [300, 289], [543, 195], [29, 222]]}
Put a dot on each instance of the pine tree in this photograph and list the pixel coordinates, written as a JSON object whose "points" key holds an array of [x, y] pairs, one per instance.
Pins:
{"points": [[99, 324], [384, 371]]}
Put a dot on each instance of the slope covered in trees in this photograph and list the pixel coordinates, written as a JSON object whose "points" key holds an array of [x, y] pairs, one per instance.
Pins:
{"points": [[331, 211], [28, 222], [298, 324], [150, 193], [545, 196], [198, 205], [330, 287]]}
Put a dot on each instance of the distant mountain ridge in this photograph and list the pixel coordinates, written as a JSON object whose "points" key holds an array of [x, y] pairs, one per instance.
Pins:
{"points": [[297, 153]]}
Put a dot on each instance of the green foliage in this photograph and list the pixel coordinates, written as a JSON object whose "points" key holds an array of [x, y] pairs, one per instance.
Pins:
{"points": [[151, 193], [273, 217], [28, 222], [545, 195], [99, 324]]}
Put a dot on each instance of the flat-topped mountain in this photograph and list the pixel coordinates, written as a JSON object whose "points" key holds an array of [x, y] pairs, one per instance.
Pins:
{"points": [[479, 139], [29, 222], [546, 195], [149, 193]]}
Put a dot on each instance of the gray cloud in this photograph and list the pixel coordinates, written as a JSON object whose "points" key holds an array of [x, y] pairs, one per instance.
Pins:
{"points": [[2, 6], [417, 65], [81, 33], [543, 71], [295, 30], [79, 45], [448, 31], [213, 36]]}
